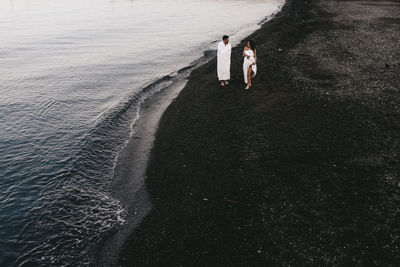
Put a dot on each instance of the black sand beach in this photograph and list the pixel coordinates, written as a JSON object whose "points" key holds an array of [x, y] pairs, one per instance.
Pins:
{"points": [[303, 169]]}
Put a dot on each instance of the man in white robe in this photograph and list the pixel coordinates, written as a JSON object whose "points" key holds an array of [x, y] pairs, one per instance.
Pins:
{"points": [[224, 61]]}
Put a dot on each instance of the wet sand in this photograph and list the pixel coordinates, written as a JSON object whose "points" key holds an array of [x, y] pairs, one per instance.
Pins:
{"points": [[303, 169]]}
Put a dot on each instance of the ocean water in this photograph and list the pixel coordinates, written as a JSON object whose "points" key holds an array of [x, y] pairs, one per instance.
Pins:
{"points": [[72, 76]]}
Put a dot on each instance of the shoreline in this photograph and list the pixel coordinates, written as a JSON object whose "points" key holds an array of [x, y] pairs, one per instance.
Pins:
{"points": [[130, 178], [272, 176]]}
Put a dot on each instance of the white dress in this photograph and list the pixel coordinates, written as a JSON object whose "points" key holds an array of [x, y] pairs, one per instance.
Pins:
{"points": [[249, 62], [224, 61]]}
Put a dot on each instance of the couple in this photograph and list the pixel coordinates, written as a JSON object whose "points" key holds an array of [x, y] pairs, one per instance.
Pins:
{"points": [[224, 62]]}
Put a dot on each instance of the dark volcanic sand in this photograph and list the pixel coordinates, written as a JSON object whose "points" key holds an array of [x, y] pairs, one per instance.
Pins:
{"points": [[301, 169]]}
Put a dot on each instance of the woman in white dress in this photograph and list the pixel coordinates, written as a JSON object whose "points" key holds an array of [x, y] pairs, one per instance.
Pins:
{"points": [[249, 63]]}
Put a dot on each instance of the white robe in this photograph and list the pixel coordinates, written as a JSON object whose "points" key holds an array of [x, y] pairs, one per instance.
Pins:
{"points": [[224, 61], [247, 63]]}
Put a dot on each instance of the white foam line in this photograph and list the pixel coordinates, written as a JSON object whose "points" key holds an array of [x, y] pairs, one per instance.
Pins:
{"points": [[158, 87]]}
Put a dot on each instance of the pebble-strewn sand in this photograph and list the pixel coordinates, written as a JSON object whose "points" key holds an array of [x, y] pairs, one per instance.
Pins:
{"points": [[303, 169]]}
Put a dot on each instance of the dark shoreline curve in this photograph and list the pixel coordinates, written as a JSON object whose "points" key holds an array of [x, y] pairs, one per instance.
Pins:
{"points": [[300, 170]]}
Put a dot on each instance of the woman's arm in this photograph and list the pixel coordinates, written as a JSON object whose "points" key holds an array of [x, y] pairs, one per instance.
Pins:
{"points": [[244, 53], [255, 56]]}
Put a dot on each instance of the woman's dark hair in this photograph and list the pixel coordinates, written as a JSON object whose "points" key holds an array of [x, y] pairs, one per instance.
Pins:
{"points": [[252, 45]]}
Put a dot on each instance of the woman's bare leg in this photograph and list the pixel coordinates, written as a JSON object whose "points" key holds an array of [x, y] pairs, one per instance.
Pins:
{"points": [[249, 77]]}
